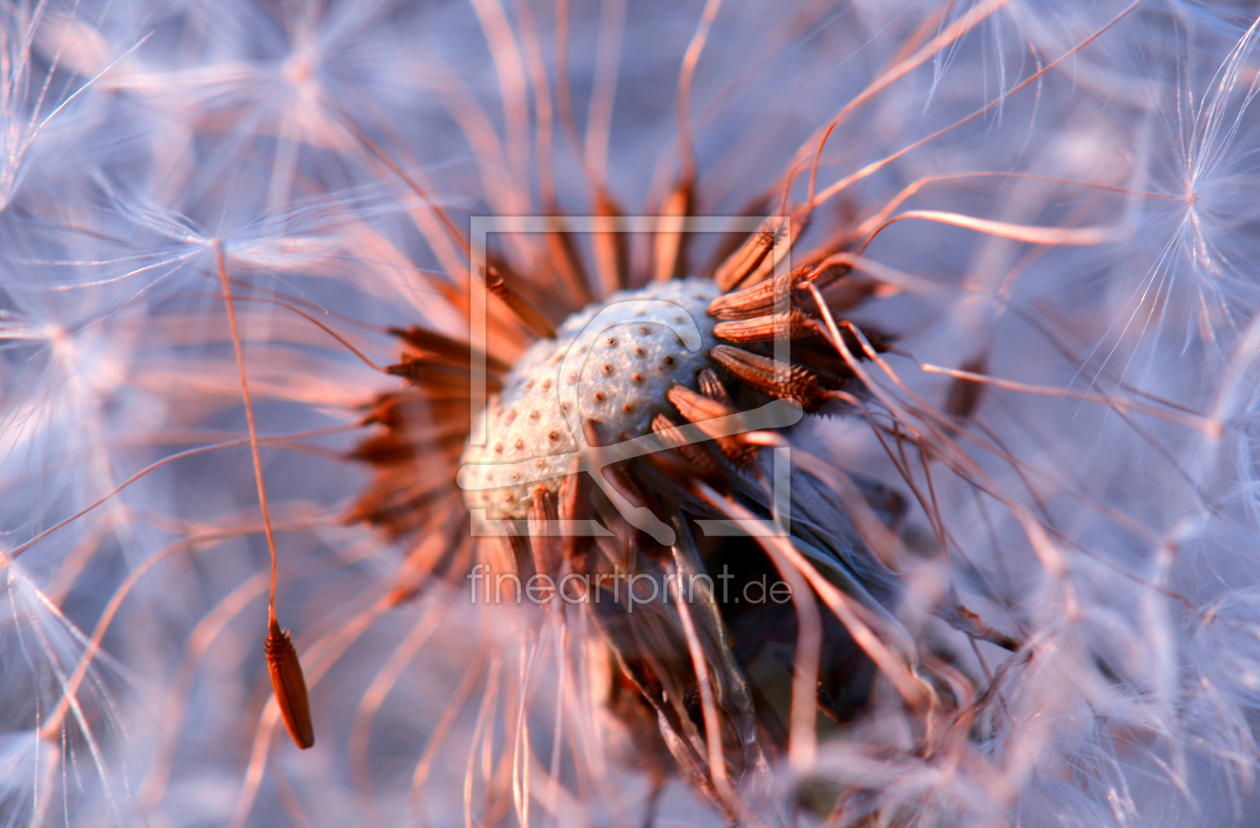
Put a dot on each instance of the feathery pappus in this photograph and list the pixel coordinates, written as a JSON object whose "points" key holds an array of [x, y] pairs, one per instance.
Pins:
{"points": [[834, 414]]}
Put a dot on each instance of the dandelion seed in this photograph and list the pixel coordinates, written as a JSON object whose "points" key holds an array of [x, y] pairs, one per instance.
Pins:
{"points": [[927, 496], [290, 686]]}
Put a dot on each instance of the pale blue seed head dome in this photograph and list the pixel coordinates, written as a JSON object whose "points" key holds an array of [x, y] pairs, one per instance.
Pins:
{"points": [[612, 362]]}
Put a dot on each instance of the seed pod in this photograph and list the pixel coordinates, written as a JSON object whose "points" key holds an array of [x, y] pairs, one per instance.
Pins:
{"points": [[443, 349], [693, 454], [527, 311], [563, 260], [290, 687], [698, 408], [544, 541], [610, 245], [794, 325], [439, 379], [800, 383], [756, 259], [713, 388], [760, 299], [670, 244]]}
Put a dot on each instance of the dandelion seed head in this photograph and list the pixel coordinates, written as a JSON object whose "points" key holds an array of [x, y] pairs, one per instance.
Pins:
{"points": [[1095, 505], [617, 372]]}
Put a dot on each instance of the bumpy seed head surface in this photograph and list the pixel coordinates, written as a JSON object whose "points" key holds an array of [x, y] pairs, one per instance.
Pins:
{"points": [[611, 362]]}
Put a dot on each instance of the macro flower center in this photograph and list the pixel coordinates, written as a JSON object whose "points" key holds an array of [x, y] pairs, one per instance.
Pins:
{"points": [[612, 363]]}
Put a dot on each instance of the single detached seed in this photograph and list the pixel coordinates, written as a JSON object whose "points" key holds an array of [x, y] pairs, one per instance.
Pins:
{"points": [[289, 685]]}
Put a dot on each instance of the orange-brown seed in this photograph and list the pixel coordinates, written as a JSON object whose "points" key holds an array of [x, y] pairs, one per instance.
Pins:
{"points": [[289, 685]]}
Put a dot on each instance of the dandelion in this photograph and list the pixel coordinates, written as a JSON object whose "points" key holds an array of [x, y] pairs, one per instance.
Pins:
{"points": [[830, 414]]}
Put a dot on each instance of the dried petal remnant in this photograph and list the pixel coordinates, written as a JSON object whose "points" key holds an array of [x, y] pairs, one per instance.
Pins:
{"points": [[290, 686]]}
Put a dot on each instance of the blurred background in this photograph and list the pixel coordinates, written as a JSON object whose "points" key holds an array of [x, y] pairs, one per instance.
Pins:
{"points": [[1083, 237]]}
